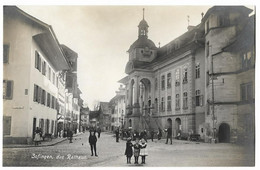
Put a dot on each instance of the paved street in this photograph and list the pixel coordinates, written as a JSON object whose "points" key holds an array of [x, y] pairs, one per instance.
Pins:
{"points": [[110, 153]]}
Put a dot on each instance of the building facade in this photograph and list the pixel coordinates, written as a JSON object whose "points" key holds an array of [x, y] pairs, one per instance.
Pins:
{"points": [[33, 60], [196, 83]]}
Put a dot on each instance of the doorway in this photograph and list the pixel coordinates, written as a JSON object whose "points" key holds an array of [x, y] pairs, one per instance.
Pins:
{"points": [[224, 133]]}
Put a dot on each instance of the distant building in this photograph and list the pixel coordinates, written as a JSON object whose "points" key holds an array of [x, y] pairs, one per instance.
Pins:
{"points": [[118, 109], [84, 119], [171, 86]]}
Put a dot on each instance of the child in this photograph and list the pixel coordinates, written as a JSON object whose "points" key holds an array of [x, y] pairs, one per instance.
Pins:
{"points": [[136, 150], [129, 150], [143, 150]]}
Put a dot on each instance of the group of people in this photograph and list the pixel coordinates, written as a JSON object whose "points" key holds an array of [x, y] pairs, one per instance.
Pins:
{"points": [[139, 148]]}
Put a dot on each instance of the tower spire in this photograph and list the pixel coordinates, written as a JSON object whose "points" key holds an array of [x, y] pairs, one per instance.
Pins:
{"points": [[143, 13]]}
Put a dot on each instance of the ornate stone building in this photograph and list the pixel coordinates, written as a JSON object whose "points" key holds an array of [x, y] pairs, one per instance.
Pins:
{"points": [[172, 85]]}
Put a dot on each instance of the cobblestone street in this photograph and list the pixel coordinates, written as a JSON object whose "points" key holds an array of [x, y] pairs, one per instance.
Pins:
{"points": [[110, 153]]}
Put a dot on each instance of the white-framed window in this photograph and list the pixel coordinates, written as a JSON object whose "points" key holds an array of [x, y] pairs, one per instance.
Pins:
{"points": [[37, 61], [177, 77], [177, 102], [8, 89], [162, 104], [197, 71], [169, 80], [185, 100], [198, 98], [246, 91], [185, 75], [169, 103], [163, 82]]}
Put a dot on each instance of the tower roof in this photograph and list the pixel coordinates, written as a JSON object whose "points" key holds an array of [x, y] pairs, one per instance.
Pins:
{"points": [[142, 42]]}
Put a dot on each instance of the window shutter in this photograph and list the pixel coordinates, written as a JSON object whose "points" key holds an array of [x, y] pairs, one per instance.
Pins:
{"points": [[39, 64], [39, 95], [7, 125], [201, 100], [9, 90], [35, 93], [6, 53], [36, 59]]}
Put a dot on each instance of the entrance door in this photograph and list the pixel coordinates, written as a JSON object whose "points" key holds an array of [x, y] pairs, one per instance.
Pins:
{"points": [[224, 133], [34, 127]]}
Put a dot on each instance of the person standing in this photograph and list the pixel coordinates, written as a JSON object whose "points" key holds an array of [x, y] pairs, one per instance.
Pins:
{"points": [[37, 136], [159, 134], [169, 135], [129, 150], [152, 134], [136, 150], [70, 135], [92, 141], [99, 131], [117, 135], [143, 150]]}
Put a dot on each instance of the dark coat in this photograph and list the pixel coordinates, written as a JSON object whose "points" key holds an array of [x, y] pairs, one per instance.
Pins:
{"points": [[92, 139], [129, 150], [169, 132]]}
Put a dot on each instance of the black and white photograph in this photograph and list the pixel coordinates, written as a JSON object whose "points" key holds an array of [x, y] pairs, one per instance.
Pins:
{"points": [[128, 85]]}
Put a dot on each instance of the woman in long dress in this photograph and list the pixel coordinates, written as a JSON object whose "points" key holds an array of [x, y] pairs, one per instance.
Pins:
{"points": [[37, 136]]}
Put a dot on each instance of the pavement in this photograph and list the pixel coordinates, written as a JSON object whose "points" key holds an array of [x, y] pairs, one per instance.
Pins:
{"points": [[45, 143], [111, 154]]}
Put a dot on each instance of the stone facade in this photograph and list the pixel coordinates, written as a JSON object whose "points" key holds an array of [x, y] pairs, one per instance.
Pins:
{"points": [[172, 85]]}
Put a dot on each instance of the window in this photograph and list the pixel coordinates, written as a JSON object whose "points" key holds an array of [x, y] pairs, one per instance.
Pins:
{"points": [[223, 20], [52, 126], [185, 100], [177, 77], [198, 98], [197, 71], [44, 68], [246, 92], [49, 73], [169, 103], [163, 82], [207, 26], [162, 104], [47, 127], [177, 102], [37, 61], [207, 49], [247, 60], [52, 102], [156, 83], [169, 49], [6, 53], [185, 75], [43, 100], [35, 93], [7, 125], [39, 95], [41, 124], [48, 99], [8, 89], [169, 80], [53, 78]]}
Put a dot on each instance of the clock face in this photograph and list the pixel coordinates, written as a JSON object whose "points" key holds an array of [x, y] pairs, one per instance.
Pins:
{"points": [[147, 52]]}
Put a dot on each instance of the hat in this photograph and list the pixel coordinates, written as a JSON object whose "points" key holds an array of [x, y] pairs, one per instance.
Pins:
{"points": [[129, 139], [142, 140]]}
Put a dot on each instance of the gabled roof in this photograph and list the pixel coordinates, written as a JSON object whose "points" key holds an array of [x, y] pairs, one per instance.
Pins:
{"points": [[47, 41]]}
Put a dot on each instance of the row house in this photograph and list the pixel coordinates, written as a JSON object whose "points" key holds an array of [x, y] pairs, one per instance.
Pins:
{"points": [[33, 92], [117, 105], [201, 82]]}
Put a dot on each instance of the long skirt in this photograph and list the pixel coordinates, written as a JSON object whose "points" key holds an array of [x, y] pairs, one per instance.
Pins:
{"points": [[37, 137]]}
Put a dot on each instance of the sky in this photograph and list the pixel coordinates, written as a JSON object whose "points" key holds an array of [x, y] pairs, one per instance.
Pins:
{"points": [[101, 35]]}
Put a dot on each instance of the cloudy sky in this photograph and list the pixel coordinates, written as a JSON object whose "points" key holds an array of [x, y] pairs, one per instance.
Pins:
{"points": [[101, 35]]}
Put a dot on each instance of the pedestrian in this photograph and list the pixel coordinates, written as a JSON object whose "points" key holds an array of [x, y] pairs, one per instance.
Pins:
{"points": [[169, 134], [136, 150], [129, 150], [145, 135], [152, 134], [99, 131], [117, 135], [143, 150], [92, 141], [37, 136], [159, 134], [70, 135]]}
